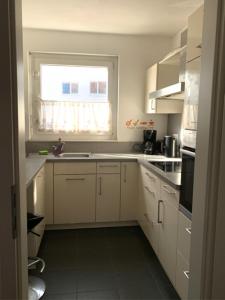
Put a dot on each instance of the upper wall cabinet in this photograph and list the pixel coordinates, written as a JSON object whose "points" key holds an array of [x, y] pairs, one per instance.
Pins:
{"points": [[165, 86], [194, 39]]}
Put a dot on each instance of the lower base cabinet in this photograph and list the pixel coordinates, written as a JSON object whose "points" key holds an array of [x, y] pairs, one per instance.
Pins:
{"points": [[182, 277], [36, 205], [74, 199], [158, 218], [108, 198], [168, 215]]}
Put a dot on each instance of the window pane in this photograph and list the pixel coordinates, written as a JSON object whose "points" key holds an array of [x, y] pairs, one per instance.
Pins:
{"points": [[74, 83]]}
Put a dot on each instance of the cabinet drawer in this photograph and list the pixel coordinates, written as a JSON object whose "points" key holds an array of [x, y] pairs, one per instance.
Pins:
{"points": [[182, 277], [108, 168], [74, 168], [151, 181], [169, 194], [184, 236]]}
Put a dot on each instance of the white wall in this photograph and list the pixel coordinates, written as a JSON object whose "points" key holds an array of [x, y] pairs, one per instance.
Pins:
{"points": [[135, 53]]}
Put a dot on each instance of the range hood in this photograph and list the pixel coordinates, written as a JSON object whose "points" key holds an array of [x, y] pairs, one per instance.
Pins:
{"points": [[174, 91], [172, 70]]}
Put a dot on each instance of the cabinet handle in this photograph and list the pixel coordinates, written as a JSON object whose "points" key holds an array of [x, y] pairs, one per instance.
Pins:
{"points": [[100, 186], [159, 202], [125, 174], [187, 274], [149, 176], [108, 166], [75, 179], [165, 188], [147, 189], [188, 229]]}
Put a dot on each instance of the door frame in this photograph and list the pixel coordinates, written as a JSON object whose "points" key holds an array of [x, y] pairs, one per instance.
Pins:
{"points": [[13, 227], [205, 282]]}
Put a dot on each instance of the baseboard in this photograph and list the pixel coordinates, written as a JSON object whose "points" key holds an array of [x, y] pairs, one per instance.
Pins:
{"points": [[90, 225]]}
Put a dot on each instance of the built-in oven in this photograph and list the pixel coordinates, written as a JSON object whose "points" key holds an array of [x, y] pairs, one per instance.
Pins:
{"points": [[187, 180]]}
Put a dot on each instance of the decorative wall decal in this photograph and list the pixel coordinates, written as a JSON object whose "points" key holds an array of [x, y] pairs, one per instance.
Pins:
{"points": [[139, 124]]}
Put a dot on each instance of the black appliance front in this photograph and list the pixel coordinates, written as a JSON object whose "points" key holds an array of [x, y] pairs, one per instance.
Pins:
{"points": [[149, 141], [187, 179]]}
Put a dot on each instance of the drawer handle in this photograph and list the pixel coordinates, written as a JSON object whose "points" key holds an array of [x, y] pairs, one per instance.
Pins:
{"points": [[147, 189], [165, 188], [159, 202], [149, 176], [187, 274], [108, 166], [188, 229], [75, 179]]}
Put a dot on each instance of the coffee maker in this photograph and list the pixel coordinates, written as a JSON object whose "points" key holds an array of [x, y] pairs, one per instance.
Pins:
{"points": [[149, 141]]}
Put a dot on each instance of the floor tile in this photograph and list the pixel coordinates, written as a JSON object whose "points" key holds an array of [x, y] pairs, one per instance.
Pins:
{"points": [[98, 295], [102, 263], [59, 297], [60, 282]]}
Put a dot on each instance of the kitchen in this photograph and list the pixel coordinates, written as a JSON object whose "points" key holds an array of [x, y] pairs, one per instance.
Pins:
{"points": [[115, 186]]}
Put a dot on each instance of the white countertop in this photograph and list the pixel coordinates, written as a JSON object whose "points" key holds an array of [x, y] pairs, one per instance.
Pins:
{"points": [[34, 162]]}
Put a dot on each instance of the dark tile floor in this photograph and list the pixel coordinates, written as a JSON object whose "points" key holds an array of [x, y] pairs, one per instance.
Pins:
{"points": [[102, 264]]}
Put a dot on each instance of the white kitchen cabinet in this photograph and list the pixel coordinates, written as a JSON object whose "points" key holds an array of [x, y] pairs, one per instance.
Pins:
{"points": [[149, 189], [192, 83], [108, 192], [49, 200], [36, 205], [183, 255], [159, 76], [182, 277], [108, 198], [194, 36], [74, 198], [129, 191], [168, 218]]}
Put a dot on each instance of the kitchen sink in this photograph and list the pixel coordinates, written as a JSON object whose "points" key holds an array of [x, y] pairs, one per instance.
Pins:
{"points": [[75, 155]]}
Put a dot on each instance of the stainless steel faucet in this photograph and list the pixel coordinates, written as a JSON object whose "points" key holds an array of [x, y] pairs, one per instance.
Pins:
{"points": [[58, 149]]}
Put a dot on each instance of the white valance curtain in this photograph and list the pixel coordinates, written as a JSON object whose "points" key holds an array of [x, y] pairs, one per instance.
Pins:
{"points": [[75, 117]]}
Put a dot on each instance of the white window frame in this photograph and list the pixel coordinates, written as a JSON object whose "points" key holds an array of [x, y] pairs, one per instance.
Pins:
{"points": [[38, 58]]}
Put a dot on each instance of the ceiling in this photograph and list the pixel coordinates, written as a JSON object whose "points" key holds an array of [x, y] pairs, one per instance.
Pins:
{"points": [[157, 17]]}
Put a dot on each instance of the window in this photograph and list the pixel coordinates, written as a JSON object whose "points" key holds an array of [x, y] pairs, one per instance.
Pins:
{"points": [[74, 96]]}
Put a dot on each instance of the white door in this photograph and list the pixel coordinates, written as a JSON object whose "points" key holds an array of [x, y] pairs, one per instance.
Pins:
{"points": [[12, 154], [108, 198]]}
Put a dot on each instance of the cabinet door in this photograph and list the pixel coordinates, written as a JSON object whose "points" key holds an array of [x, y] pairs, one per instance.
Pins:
{"points": [[74, 198], [151, 205], [168, 215], [149, 189], [151, 86], [36, 205], [129, 191], [192, 83], [108, 198], [194, 37], [49, 193], [182, 277]]}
